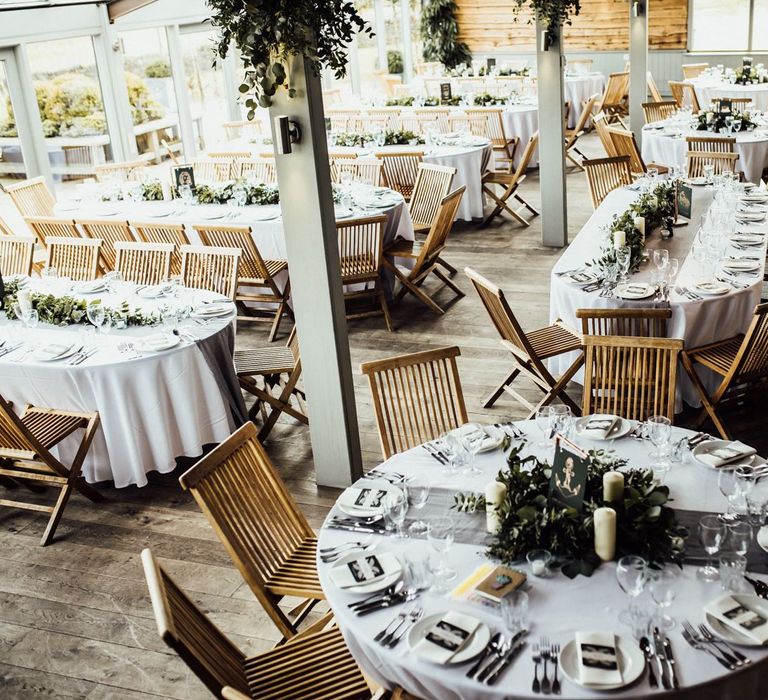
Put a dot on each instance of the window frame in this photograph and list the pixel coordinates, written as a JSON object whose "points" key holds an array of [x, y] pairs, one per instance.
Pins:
{"points": [[750, 32]]}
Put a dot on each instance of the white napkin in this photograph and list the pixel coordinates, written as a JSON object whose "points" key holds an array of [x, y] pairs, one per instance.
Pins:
{"points": [[154, 291], [52, 350], [636, 289], [446, 638], [599, 427], [365, 569], [739, 618], [491, 438], [366, 500], [598, 658], [157, 342], [728, 454], [92, 286]]}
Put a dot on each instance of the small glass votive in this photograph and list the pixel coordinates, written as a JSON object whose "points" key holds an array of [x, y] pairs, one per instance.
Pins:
{"points": [[539, 561], [732, 569]]}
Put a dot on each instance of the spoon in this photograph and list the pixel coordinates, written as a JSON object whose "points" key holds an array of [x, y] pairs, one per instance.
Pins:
{"points": [[491, 647]]}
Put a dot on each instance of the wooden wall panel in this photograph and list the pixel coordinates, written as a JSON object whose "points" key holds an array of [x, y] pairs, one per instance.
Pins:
{"points": [[496, 25]]}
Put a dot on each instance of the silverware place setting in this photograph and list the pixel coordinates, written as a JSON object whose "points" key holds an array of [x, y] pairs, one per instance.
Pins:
{"points": [[391, 635], [700, 644]]}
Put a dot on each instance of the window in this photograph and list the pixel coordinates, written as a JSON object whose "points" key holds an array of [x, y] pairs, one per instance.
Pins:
{"points": [[11, 157], [759, 23], [723, 25]]}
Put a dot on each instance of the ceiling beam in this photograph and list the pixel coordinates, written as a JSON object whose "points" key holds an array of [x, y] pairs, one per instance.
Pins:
{"points": [[120, 8]]}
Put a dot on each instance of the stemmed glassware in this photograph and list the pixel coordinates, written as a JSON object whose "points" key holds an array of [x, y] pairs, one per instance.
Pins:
{"points": [[631, 575], [624, 259], [472, 437], [418, 494], [560, 419], [711, 535], [738, 536], [543, 421], [662, 585], [659, 431], [440, 535], [395, 508], [27, 315], [96, 314]]}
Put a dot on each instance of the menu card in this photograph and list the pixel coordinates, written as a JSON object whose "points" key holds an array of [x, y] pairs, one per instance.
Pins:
{"points": [[727, 454], [598, 658], [740, 618], [365, 499], [447, 637], [364, 569], [599, 426]]}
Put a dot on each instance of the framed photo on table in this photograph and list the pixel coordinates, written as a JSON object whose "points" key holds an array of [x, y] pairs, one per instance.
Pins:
{"points": [[183, 175], [569, 474]]}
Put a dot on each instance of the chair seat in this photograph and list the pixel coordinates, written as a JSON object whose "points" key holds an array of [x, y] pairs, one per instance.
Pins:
{"points": [[51, 427], [403, 249], [249, 271], [264, 361], [297, 575], [719, 357], [553, 340], [317, 666]]}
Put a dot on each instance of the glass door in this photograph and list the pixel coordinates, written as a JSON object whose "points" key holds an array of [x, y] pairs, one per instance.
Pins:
{"points": [[12, 162]]}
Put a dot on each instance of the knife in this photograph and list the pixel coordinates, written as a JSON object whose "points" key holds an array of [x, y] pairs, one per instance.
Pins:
{"points": [[355, 528], [485, 654], [383, 603], [508, 659], [672, 663], [493, 664], [645, 646], [658, 647]]}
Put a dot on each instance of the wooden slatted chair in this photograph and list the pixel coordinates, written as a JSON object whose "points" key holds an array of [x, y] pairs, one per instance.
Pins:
{"points": [[510, 181], [341, 119], [624, 144], [390, 116], [5, 229], [711, 144], [315, 664], [720, 162], [693, 70], [738, 103], [210, 267], [370, 125], [474, 124], [600, 122], [25, 444], [438, 114], [16, 254], [77, 258], [418, 123], [143, 263], [612, 102], [360, 255], [110, 232], [653, 88], [427, 257], [125, 171], [684, 94], [259, 169], [259, 524], [212, 169], [256, 281], [630, 377], [367, 170], [154, 232], [237, 129], [401, 170], [47, 227], [229, 155], [272, 375], [605, 175], [528, 350], [504, 145], [579, 65], [644, 323], [416, 397], [741, 362], [658, 111], [32, 197], [433, 182], [573, 135]]}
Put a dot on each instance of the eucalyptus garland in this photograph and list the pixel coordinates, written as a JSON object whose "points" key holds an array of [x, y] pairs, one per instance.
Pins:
{"points": [[402, 137], [220, 194], [151, 191], [487, 100], [453, 101], [440, 34], [749, 75], [646, 525]]}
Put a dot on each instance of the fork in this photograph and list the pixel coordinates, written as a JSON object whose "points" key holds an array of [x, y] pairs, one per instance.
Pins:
{"points": [[741, 660], [397, 621], [345, 545], [690, 636], [536, 658], [545, 685], [415, 616], [555, 653]]}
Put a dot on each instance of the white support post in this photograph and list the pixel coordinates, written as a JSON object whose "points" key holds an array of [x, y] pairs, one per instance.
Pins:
{"points": [[353, 67], [230, 66], [638, 65], [182, 92], [311, 241], [405, 11], [381, 33], [549, 59]]}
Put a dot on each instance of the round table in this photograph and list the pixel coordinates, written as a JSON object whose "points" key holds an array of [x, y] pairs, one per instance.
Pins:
{"points": [[710, 88], [578, 89], [696, 322], [522, 120], [666, 145], [558, 606], [154, 406]]}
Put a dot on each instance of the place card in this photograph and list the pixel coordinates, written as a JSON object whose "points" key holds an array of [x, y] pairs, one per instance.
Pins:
{"points": [[364, 499], [446, 92], [740, 617], [598, 658], [683, 201], [364, 569], [446, 638], [569, 474]]}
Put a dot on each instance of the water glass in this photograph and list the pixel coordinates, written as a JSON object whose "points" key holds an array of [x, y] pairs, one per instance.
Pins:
{"points": [[631, 575], [440, 535], [738, 536], [662, 586], [560, 419], [624, 259], [660, 261], [395, 508], [418, 494], [418, 573], [543, 422], [659, 432], [96, 314], [28, 316], [711, 535], [514, 611], [709, 170], [472, 436], [733, 566], [729, 487]]}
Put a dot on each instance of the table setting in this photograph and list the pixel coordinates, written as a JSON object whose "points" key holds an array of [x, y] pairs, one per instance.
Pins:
{"points": [[444, 580], [154, 361], [744, 81]]}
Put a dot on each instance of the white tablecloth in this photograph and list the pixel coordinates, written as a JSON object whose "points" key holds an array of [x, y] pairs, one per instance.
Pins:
{"points": [[578, 89], [696, 322], [558, 606], [708, 88], [153, 408], [661, 147], [522, 121]]}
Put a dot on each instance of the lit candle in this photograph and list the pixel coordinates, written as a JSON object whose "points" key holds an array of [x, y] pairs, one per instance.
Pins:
{"points": [[613, 487], [640, 226], [495, 494], [605, 533], [619, 239], [166, 189], [538, 567]]}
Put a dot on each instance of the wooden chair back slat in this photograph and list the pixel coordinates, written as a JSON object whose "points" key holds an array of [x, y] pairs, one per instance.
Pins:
{"points": [[615, 90], [259, 169], [624, 144], [599, 121], [154, 232], [693, 70], [143, 263], [125, 171], [739, 103], [653, 88], [438, 233], [658, 111], [110, 232], [238, 129], [214, 169], [45, 227], [752, 361], [720, 162], [475, 124], [418, 123], [644, 323], [77, 258], [360, 247], [416, 397], [16, 255], [400, 170], [210, 267], [494, 125], [32, 197], [711, 144], [605, 175], [684, 94], [433, 182], [251, 265], [367, 170]]}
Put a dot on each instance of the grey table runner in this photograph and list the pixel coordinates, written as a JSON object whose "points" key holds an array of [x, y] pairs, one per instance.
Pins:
{"points": [[218, 350]]}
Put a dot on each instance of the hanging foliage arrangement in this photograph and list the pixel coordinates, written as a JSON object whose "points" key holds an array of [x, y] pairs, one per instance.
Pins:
{"points": [[552, 13], [268, 32], [440, 31]]}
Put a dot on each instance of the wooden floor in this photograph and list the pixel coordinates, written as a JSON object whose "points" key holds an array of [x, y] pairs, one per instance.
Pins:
{"points": [[75, 620]]}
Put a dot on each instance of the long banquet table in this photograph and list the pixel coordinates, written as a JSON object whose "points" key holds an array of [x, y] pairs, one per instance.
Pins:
{"points": [[558, 606], [696, 322]]}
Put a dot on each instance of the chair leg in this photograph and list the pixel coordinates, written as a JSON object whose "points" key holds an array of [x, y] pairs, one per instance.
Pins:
{"points": [[58, 511], [707, 403], [451, 269], [526, 205], [499, 390], [282, 401], [385, 308], [448, 282], [276, 322]]}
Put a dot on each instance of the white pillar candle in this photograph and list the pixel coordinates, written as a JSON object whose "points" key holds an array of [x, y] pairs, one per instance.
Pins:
{"points": [[24, 297], [613, 487], [495, 493], [619, 239], [538, 567], [605, 533], [167, 194], [640, 226]]}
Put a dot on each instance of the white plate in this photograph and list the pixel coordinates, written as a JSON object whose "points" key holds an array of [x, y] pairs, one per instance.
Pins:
{"points": [[375, 586], [215, 309], [580, 279], [750, 216], [747, 238], [711, 445], [262, 214], [494, 437], [107, 211], [476, 644], [342, 212], [622, 291], [41, 356], [741, 265], [762, 538], [159, 212], [357, 512], [712, 288], [622, 428], [157, 343], [155, 291], [91, 287], [211, 215], [731, 635], [630, 657], [697, 181]]}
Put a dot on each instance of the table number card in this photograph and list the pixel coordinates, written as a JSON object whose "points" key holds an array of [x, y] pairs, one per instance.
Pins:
{"points": [[490, 64], [183, 175], [569, 474], [725, 106], [683, 201], [445, 92]]}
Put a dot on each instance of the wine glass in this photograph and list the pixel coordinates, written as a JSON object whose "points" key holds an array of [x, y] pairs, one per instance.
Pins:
{"points": [[96, 314], [514, 611], [395, 507], [440, 535], [659, 431], [418, 493], [472, 436], [454, 451], [729, 487], [542, 420], [660, 262], [711, 535], [738, 536], [673, 267], [624, 260], [560, 419], [631, 575], [662, 585], [186, 194]]}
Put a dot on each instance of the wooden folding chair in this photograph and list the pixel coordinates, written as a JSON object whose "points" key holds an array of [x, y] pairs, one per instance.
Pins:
{"points": [[127, 170], [259, 524], [236, 129], [605, 175], [390, 116], [529, 350], [46, 227], [154, 232], [229, 155], [653, 89], [259, 169], [741, 361], [644, 323], [433, 182], [32, 197], [77, 258], [624, 144], [264, 371], [25, 442], [693, 70], [5, 229], [510, 181], [315, 664], [367, 170], [613, 103], [631, 377], [720, 162], [684, 94], [418, 123], [212, 268], [711, 144], [213, 169], [503, 145], [474, 124], [573, 135], [739, 103], [579, 65], [600, 122], [16, 254], [658, 111], [401, 170], [143, 263], [416, 397], [110, 232], [256, 276], [427, 257], [360, 256]]}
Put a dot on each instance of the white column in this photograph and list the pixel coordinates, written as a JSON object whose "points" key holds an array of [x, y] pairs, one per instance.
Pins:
{"points": [[353, 67], [230, 66], [405, 11], [381, 33], [182, 92], [311, 241], [638, 65], [554, 221]]}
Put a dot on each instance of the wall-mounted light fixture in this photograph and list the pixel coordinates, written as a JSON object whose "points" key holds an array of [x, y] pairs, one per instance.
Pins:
{"points": [[288, 132], [638, 9], [544, 40]]}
